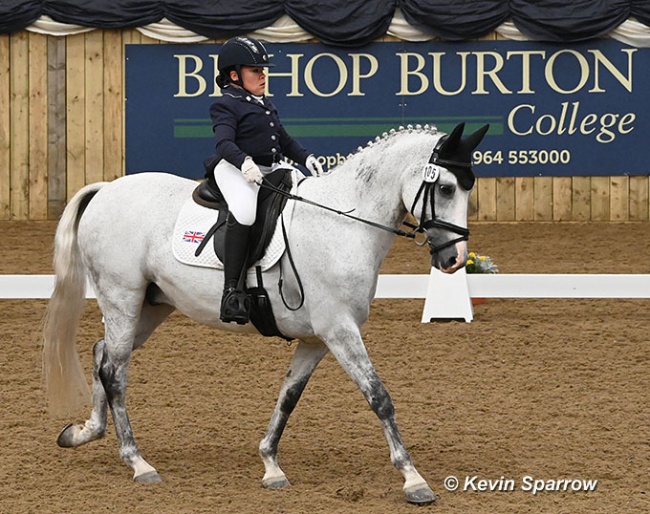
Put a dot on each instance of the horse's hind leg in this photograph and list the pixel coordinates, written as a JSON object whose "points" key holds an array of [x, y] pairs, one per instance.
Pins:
{"points": [[123, 334], [95, 427], [305, 360]]}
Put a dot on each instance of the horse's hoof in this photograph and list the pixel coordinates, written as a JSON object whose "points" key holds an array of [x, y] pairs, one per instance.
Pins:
{"points": [[66, 437], [151, 477], [276, 483], [423, 495]]}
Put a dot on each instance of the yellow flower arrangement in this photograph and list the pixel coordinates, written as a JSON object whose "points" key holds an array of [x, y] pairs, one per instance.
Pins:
{"points": [[480, 264]]}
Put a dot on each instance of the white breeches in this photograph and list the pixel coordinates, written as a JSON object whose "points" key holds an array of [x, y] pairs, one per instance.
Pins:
{"points": [[240, 194]]}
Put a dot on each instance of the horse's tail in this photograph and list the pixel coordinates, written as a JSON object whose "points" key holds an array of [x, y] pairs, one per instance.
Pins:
{"points": [[65, 384]]}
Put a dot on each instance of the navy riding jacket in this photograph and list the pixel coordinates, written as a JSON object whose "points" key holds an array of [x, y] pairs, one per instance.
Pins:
{"points": [[245, 127]]}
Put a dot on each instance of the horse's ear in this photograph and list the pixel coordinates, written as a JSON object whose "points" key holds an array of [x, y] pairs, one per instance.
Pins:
{"points": [[454, 138], [455, 153], [475, 139]]}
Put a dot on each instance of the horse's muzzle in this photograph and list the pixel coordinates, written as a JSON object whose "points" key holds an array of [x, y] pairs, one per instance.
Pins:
{"points": [[449, 258], [449, 265]]}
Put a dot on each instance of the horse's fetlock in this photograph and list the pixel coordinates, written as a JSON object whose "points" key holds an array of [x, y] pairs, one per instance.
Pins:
{"points": [[265, 450], [402, 461], [97, 431], [129, 455]]}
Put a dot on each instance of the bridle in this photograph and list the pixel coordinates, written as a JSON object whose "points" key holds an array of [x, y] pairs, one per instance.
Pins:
{"points": [[430, 176], [431, 173]]}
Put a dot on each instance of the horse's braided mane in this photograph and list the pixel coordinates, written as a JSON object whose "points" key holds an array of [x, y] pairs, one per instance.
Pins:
{"points": [[429, 129]]}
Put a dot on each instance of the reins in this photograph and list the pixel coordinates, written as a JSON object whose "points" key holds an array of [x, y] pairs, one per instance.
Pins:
{"points": [[290, 196], [396, 231]]}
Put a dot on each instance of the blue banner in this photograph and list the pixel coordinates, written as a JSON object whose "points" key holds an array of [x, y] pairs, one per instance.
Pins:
{"points": [[553, 110]]}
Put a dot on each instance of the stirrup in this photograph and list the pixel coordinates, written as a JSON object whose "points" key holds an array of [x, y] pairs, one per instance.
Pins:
{"points": [[235, 306]]}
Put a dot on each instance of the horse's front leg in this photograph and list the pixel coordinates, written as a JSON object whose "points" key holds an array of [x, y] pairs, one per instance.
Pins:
{"points": [[346, 345], [303, 364]]}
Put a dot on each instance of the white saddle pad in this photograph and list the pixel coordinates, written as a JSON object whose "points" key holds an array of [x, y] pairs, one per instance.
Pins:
{"points": [[192, 225]]}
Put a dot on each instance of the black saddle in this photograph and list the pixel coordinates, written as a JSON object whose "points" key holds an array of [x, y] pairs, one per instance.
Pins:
{"points": [[269, 207]]}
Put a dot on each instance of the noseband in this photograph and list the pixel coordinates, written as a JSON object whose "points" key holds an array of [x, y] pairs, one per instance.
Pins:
{"points": [[431, 173]]}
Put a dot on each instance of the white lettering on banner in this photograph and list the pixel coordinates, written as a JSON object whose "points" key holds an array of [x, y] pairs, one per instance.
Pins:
{"points": [[522, 122], [415, 78], [356, 71], [293, 74], [525, 67], [601, 59], [309, 75], [521, 157], [405, 72], [482, 72], [198, 83], [549, 71], [489, 65], [332, 160], [355, 74], [563, 71]]}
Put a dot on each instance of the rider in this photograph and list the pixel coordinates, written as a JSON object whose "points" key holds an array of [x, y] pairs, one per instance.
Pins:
{"points": [[250, 143]]}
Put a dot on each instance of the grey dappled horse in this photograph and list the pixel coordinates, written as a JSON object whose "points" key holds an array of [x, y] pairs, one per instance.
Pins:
{"points": [[118, 235]]}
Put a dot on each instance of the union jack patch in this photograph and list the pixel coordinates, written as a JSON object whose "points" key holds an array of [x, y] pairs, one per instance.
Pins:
{"points": [[192, 236]]}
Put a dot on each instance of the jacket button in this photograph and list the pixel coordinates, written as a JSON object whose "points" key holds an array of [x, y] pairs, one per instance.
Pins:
{"points": [[273, 137], [273, 150], [268, 112], [272, 124]]}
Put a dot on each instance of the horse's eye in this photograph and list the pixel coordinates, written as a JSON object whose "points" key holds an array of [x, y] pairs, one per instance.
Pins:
{"points": [[446, 190]]}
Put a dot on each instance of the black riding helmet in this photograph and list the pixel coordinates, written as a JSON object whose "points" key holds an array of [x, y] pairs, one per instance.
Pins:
{"points": [[238, 52]]}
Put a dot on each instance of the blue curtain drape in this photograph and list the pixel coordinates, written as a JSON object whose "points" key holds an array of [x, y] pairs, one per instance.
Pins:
{"points": [[340, 22]]}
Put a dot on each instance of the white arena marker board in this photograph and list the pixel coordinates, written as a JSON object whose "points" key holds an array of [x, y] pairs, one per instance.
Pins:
{"points": [[33, 287], [446, 296], [559, 286], [520, 285]]}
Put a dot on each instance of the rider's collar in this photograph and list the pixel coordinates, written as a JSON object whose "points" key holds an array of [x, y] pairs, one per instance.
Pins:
{"points": [[243, 94]]}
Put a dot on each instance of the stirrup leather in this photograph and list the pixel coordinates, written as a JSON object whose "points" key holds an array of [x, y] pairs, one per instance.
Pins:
{"points": [[235, 306]]}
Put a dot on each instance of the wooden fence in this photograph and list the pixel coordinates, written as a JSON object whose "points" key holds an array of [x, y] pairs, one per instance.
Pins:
{"points": [[62, 126]]}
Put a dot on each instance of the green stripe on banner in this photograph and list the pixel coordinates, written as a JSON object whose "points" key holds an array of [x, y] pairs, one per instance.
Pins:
{"points": [[345, 127]]}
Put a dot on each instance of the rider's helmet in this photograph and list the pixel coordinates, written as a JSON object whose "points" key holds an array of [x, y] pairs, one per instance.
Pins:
{"points": [[238, 52]]}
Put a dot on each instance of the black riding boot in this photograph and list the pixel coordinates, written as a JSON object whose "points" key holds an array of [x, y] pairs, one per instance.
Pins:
{"points": [[235, 303]]}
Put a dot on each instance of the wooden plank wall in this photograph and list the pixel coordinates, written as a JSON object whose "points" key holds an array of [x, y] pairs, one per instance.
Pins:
{"points": [[62, 126]]}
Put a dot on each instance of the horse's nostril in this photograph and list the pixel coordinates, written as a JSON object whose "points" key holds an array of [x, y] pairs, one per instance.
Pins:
{"points": [[450, 262]]}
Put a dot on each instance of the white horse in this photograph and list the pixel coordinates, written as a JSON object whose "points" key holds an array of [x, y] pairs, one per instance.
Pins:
{"points": [[118, 235]]}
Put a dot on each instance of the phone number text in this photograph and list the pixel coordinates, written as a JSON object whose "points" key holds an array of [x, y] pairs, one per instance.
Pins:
{"points": [[522, 157]]}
